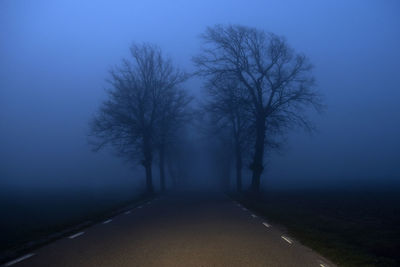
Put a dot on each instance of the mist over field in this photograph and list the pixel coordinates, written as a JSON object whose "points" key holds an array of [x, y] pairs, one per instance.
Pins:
{"points": [[60, 59], [55, 58]]}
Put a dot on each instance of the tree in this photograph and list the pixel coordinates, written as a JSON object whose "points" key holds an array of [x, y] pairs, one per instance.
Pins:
{"points": [[278, 81], [174, 114], [228, 105], [129, 118]]}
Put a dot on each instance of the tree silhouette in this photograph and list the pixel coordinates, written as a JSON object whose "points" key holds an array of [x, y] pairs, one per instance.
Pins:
{"points": [[141, 91], [228, 106], [278, 82]]}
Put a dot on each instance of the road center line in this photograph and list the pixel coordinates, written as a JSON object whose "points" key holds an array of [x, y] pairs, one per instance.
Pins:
{"points": [[108, 221], [127, 212], [244, 209], [287, 239], [76, 235], [323, 265], [253, 215], [266, 224], [139, 207], [19, 259]]}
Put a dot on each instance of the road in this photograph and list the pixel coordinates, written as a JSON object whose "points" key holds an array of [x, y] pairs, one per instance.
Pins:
{"points": [[181, 229]]}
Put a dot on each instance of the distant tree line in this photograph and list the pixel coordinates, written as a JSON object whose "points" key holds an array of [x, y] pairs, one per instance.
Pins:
{"points": [[257, 88]]}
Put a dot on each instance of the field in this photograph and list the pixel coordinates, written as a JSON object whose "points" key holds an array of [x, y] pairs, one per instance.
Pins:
{"points": [[349, 227], [36, 214]]}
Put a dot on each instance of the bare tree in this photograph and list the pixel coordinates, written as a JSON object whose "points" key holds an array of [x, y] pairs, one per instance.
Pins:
{"points": [[128, 119], [278, 81], [228, 105], [174, 114], [222, 149]]}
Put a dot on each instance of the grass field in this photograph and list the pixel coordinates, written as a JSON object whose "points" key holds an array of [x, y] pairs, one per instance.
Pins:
{"points": [[33, 215], [349, 227]]}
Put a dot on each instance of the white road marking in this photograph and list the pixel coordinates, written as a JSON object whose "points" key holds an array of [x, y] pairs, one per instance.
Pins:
{"points": [[139, 207], [19, 259], [253, 215], [323, 265], [76, 235], [108, 221], [127, 212], [266, 224], [244, 209], [149, 202], [287, 239]]}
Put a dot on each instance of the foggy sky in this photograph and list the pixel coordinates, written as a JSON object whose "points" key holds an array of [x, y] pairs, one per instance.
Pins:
{"points": [[54, 58]]}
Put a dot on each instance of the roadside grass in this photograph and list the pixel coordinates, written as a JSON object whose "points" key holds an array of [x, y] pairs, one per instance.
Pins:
{"points": [[351, 228], [31, 219]]}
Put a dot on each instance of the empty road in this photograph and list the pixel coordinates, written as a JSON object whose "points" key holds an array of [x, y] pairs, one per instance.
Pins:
{"points": [[181, 229]]}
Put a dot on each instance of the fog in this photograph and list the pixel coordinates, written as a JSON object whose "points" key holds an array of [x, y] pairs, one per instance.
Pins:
{"points": [[55, 58]]}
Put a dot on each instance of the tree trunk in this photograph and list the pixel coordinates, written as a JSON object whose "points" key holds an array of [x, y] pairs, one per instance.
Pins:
{"points": [[225, 173], [238, 168], [161, 152], [258, 159], [147, 162], [149, 178], [171, 172]]}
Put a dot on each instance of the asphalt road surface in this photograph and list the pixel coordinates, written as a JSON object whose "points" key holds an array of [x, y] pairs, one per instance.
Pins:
{"points": [[181, 229]]}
